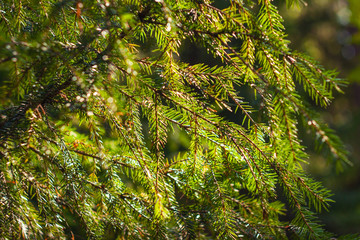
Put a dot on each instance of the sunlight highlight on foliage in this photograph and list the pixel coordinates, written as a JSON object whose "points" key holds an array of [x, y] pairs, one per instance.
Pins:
{"points": [[97, 91]]}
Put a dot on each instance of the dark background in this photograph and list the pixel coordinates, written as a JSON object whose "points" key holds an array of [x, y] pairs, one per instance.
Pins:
{"points": [[328, 31]]}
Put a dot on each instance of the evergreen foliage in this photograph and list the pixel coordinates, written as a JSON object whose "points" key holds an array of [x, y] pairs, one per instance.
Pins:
{"points": [[94, 93]]}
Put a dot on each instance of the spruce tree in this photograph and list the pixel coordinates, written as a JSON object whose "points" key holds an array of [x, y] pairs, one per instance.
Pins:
{"points": [[94, 94]]}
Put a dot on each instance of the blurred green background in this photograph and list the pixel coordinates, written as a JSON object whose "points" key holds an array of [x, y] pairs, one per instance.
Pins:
{"points": [[328, 30]]}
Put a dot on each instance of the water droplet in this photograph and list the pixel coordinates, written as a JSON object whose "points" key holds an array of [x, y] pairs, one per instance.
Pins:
{"points": [[105, 57], [110, 100]]}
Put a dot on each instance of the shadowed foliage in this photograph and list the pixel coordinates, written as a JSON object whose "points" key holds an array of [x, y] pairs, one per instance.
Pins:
{"points": [[95, 93]]}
